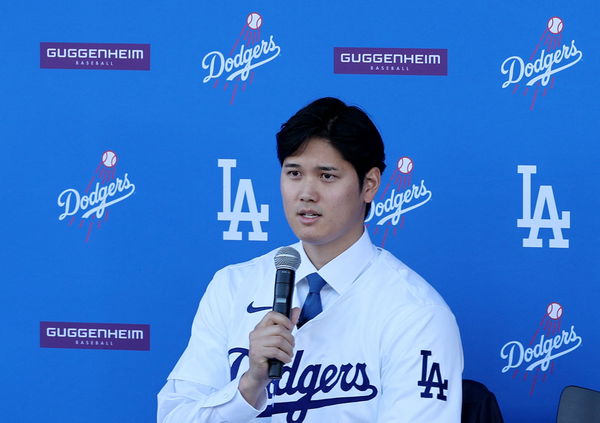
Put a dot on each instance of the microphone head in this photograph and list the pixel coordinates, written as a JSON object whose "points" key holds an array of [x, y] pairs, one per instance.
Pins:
{"points": [[287, 258]]}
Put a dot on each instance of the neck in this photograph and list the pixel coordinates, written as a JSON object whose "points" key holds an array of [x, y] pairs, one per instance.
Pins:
{"points": [[320, 255]]}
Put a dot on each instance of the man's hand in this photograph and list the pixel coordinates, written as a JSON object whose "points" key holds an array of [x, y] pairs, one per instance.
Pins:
{"points": [[271, 338]]}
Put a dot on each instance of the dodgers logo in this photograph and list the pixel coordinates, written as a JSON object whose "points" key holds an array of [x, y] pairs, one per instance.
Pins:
{"points": [[103, 191], [536, 73], [535, 359], [249, 52], [545, 198], [400, 196], [305, 382], [244, 196]]}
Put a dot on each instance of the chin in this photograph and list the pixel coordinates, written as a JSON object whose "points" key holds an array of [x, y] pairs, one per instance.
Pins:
{"points": [[308, 237], [313, 239]]}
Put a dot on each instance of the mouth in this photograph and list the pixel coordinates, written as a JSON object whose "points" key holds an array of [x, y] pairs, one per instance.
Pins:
{"points": [[309, 215]]}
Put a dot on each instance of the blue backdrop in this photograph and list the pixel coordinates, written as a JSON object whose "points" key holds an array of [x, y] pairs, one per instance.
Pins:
{"points": [[148, 257]]}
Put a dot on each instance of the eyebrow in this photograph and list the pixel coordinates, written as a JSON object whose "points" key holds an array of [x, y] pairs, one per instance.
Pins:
{"points": [[323, 168], [327, 168]]}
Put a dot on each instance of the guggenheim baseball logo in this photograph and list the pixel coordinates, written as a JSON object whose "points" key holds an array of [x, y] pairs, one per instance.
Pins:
{"points": [[95, 56], [534, 359], [390, 61], [103, 191], [97, 336], [535, 73], [249, 51]]}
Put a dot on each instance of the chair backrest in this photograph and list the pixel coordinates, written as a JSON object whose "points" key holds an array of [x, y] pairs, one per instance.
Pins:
{"points": [[479, 404], [578, 405]]}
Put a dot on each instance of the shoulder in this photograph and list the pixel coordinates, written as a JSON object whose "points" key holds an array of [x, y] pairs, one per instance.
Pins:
{"points": [[234, 286], [252, 265], [247, 274], [414, 310], [403, 287]]}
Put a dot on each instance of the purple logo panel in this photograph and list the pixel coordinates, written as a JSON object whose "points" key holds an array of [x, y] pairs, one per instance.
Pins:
{"points": [[390, 61], [97, 336], [95, 56]]}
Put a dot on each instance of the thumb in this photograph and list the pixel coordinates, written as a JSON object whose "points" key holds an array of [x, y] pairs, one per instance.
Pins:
{"points": [[295, 315]]}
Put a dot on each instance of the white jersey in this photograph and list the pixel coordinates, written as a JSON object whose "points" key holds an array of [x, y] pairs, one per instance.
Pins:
{"points": [[385, 348]]}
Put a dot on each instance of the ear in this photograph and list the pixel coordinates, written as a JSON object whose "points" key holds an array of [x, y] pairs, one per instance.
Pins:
{"points": [[371, 184]]}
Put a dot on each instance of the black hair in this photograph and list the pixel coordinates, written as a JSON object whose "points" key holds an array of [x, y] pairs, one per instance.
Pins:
{"points": [[347, 128]]}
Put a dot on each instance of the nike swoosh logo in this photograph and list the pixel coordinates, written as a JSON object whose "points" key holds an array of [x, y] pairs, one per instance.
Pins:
{"points": [[252, 309]]}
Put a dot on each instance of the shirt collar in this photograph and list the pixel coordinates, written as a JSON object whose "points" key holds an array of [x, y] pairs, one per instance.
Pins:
{"points": [[343, 270]]}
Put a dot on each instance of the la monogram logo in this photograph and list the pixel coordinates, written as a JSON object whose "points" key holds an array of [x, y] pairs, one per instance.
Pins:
{"points": [[244, 193], [545, 198], [432, 378]]}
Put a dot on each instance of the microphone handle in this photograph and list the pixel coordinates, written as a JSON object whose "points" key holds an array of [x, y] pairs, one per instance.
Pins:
{"points": [[282, 303]]}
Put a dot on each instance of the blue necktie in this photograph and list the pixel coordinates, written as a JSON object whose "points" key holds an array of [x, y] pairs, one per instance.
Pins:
{"points": [[312, 305]]}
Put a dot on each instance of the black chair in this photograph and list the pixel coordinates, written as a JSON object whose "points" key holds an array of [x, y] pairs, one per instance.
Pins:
{"points": [[578, 405], [479, 405]]}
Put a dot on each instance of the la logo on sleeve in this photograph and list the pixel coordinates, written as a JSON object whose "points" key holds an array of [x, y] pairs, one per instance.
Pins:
{"points": [[431, 377]]}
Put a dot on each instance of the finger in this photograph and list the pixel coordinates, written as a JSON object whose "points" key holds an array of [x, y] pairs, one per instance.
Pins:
{"points": [[262, 336], [274, 318], [279, 342], [276, 353], [295, 315], [262, 355], [266, 351]]}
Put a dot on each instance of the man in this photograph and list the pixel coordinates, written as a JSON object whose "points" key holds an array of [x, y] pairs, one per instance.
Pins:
{"points": [[368, 341]]}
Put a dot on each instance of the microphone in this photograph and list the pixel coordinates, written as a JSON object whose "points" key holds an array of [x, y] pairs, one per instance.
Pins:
{"points": [[287, 261]]}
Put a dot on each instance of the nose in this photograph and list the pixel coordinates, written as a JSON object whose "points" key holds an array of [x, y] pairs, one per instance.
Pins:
{"points": [[308, 190]]}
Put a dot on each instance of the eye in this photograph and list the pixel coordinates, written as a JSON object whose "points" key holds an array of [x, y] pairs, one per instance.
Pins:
{"points": [[293, 174], [328, 177]]}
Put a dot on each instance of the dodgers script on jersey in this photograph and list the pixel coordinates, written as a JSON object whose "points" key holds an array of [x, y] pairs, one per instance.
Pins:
{"points": [[385, 348]]}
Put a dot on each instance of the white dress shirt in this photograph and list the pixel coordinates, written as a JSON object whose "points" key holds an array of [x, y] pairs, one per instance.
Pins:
{"points": [[385, 348]]}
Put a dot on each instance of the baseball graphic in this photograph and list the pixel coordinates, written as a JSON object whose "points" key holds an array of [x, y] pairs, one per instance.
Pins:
{"points": [[254, 20], [405, 165], [554, 311], [555, 25], [109, 158]]}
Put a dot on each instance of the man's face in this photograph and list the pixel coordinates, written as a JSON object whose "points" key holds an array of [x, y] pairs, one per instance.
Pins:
{"points": [[323, 203]]}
